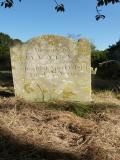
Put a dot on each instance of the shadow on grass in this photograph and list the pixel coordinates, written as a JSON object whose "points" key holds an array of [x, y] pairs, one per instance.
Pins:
{"points": [[11, 148]]}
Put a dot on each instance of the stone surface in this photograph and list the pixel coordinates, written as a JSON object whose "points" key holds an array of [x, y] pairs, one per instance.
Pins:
{"points": [[50, 68]]}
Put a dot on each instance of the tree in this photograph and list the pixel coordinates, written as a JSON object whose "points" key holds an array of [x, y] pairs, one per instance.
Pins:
{"points": [[61, 8], [5, 42], [97, 56], [114, 51], [111, 53]]}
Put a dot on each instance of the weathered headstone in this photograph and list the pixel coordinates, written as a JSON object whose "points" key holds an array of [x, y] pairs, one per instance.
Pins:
{"points": [[52, 68]]}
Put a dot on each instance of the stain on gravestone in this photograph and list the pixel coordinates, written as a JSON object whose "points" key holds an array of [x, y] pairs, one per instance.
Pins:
{"points": [[52, 68]]}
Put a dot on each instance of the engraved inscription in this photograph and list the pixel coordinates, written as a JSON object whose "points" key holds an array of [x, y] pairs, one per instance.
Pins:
{"points": [[52, 68], [42, 66]]}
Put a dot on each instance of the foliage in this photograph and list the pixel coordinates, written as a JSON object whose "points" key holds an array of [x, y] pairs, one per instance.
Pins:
{"points": [[103, 3], [5, 42], [61, 8], [109, 70], [106, 2], [114, 51], [98, 57], [8, 3]]}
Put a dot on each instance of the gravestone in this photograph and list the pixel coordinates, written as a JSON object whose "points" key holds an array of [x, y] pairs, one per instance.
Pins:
{"points": [[52, 68]]}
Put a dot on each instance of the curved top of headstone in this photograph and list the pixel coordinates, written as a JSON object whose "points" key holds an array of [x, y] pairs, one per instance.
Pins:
{"points": [[82, 45]]}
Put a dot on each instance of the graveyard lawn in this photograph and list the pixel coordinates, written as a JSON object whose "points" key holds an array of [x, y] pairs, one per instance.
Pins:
{"points": [[61, 131]]}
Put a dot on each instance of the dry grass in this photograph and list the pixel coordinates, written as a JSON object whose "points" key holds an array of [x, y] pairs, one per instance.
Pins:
{"points": [[40, 132]]}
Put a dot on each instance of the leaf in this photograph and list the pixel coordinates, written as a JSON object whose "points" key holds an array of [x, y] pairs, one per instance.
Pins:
{"points": [[98, 17], [103, 16], [2, 3], [6, 5], [100, 3], [106, 2], [60, 8]]}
